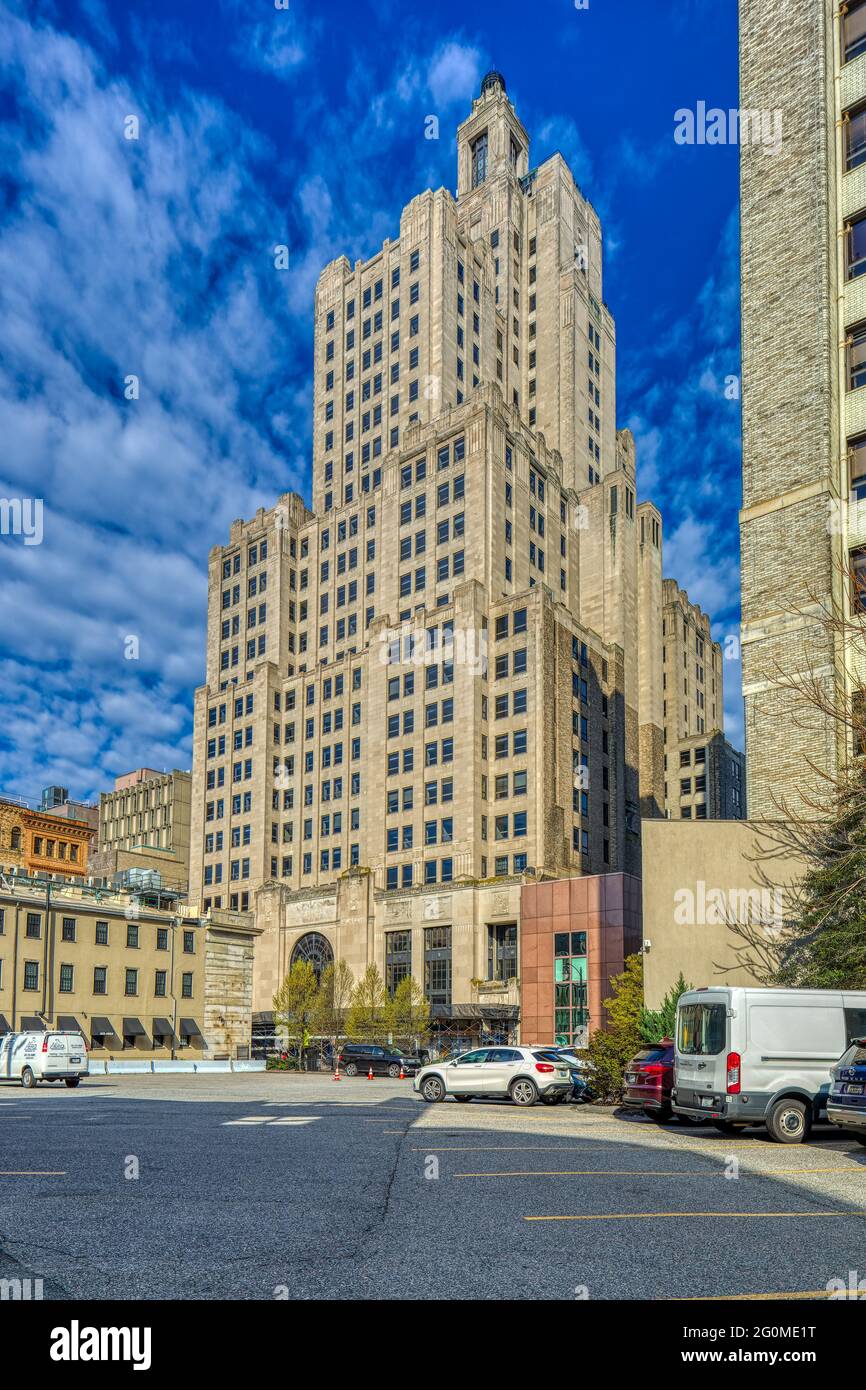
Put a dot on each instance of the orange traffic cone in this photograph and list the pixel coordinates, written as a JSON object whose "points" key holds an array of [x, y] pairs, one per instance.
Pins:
{"points": [[337, 1073], [402, 1076], [370, 1073]]}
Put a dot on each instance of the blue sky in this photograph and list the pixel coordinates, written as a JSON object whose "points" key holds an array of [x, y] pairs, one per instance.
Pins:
{"points": [[154, 258]]}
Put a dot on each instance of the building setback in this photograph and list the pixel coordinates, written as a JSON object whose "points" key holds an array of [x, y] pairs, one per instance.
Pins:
{"points": [[444, 681], [704, 773], [144, 824]]}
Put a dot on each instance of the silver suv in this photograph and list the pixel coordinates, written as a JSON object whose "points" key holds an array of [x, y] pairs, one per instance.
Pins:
{"points": [[524, 1074]]}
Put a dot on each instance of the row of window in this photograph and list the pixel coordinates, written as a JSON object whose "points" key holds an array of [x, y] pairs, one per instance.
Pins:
{"points": [[66, 980], [69, 932]]}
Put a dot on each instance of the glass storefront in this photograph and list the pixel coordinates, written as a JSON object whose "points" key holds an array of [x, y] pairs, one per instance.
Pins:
{"points": [[571, 1013]]}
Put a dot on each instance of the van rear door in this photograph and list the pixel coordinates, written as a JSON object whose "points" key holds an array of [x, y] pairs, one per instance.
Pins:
{"points": [[702, 1049]]}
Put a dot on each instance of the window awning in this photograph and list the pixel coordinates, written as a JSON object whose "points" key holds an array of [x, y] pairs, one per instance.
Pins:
{"points": [[162, 1028], [190, 1029], [67, 1024], [102, 1028], [31, 1024], [264, 1019], [133, 1028]]}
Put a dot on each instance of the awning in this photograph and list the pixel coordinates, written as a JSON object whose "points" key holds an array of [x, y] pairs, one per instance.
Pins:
{"points": [[133, 1028], [264, 1020], [190, 1029], [509, 1011], [4, 1024], [476, 1013], [67, 1024], [162, 1028], [30, 1024], [102, 1028]]}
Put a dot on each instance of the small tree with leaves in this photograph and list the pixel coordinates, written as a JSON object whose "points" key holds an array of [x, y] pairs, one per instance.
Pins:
{"points": [[295, 1005], [656, 1024], [612, 1048], [409, 1013], [333, 1001], [819, 939], [368, 1013]]}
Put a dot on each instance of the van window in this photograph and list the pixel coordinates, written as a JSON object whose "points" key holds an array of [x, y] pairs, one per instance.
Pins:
{"points": [[701, 1029], [855, 1024]]}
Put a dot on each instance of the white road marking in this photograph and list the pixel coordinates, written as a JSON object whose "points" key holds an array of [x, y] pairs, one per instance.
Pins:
{"points": [[272, 1120]]}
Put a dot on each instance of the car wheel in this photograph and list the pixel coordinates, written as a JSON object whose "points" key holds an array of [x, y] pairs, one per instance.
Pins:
{"points": [[433, 1089], [659, 1117], [394, 1070], [523, 1091], [351, 1069], [463, 1099], [28, 1079], [861, 1138], [789, 1122], [72, 1081]]}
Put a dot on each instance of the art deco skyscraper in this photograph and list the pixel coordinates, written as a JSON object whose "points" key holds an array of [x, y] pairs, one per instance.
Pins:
{"points": [[448, 672]]}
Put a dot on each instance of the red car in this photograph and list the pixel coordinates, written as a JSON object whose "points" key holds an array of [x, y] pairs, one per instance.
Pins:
{"points": [[649, 1079]]}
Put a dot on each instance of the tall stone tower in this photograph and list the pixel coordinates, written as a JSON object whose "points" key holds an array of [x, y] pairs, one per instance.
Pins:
{"points": [[448, 671]]}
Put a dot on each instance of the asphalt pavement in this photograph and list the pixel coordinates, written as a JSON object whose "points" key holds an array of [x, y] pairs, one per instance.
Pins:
{"points": [[268, 1186]]}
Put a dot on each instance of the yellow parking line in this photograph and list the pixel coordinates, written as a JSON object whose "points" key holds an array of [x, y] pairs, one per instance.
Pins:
{"points": [[651, 1173], [683, 1215], [746, 1297], [501, 1148]]}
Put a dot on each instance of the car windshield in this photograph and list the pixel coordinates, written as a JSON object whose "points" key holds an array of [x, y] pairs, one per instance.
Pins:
{"points": [[701, 1029]]}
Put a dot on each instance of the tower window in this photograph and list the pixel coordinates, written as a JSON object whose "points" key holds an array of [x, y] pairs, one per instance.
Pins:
{"points": [[479, 159]]}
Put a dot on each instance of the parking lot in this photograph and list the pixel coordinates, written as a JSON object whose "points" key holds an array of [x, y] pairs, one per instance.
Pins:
{"points": [[269, 1186]]}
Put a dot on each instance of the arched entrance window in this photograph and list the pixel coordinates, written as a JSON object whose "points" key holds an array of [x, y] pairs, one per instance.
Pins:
{"points": [[316, 949]]}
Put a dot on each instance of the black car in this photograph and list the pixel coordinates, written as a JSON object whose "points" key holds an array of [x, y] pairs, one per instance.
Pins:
{"points": [[359, 1058]]}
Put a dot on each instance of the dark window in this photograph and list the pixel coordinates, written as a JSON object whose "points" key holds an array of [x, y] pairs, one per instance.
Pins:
{"points": [[501, 952], [855, 137], [853, 30], [857, 468], [398, 958], [858, 579], [479, 159]]}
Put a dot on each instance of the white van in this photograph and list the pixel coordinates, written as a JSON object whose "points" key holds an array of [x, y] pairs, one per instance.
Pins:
{"points": [[762, 1056], [43, 1057]]}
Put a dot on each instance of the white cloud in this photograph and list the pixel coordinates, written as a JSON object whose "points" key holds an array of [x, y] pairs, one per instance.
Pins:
{"points": [[455, 73]]}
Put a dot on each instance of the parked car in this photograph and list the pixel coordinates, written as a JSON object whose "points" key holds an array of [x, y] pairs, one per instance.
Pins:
{"points": [[524, 1074], [43, 1057], [581, 1091], [649, 1080], [384, 1061], [762, 1056], [846, 1103]]}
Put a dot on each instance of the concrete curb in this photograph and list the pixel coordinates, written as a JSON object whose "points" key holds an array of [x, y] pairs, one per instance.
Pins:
{"points": [[116, 1067]]}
